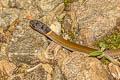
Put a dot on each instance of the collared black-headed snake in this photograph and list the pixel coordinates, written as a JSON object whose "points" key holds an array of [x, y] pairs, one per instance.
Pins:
{"points": [[45, 30]]}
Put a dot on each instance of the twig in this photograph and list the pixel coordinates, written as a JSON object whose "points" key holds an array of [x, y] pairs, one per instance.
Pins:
{"points": [[31, 69], [111, 59]]}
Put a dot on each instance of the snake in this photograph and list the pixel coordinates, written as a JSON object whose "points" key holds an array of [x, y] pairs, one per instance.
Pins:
{"points": [[45, 30]]}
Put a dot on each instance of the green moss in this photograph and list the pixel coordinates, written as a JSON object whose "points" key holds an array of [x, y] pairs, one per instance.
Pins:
{"points": [[105, 61], [112, 41], [61, 20], [72, 35], [67, 6], [68, 1]]}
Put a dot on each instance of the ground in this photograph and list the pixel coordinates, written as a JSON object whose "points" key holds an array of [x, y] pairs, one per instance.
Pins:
{"points": [[28, 55]]}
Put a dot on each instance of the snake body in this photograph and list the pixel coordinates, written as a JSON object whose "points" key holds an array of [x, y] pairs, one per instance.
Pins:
{"points": [[45, 30]]}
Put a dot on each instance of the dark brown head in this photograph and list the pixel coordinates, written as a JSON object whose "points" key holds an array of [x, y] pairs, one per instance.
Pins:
{"points": [[39, 26]]}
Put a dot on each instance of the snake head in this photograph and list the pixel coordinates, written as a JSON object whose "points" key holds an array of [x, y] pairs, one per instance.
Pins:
{"points": [[39, 26]]}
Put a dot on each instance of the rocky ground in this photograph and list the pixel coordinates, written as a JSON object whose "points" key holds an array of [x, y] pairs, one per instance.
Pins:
{"points": [[28, 55]]}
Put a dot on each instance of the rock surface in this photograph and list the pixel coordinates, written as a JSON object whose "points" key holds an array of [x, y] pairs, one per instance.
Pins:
{"points": [[78, 66], [87, 19], [24, 40], [93, 19]]}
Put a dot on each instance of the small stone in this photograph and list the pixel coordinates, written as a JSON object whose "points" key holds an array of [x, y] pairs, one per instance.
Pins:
{"points": [[7, 67], [78, 66], [1, 30], [56, 27]]}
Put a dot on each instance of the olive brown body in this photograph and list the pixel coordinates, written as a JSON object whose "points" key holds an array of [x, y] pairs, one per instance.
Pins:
{"points": [[69, 45], [76, 47]]}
